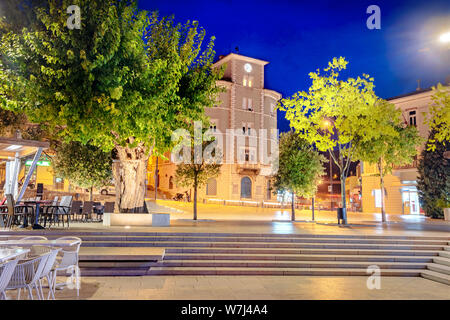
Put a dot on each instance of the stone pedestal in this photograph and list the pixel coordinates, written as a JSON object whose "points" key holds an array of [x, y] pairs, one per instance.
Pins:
{"points": [[136, 219], [447, 214], [160, 219]]}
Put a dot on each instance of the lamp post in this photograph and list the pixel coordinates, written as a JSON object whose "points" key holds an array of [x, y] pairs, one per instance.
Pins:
{"points": [[327, 122], [331, 182]]}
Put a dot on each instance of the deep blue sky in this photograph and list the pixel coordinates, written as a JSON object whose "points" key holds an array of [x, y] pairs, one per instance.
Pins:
{"points": [[297, 37]]}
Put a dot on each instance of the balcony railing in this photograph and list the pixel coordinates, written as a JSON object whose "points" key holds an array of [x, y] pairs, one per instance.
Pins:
{"points": [[248, 167]]}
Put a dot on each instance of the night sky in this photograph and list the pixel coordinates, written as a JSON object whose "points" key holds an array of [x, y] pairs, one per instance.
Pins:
{"points": [[297, 37]]}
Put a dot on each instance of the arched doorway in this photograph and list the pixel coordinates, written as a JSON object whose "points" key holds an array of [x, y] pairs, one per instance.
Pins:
{"points": [[246, 187], [171, 182]]}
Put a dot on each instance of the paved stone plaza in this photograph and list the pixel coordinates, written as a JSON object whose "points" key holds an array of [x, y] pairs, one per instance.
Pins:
{"points": [[162, 287], [253, 288]]}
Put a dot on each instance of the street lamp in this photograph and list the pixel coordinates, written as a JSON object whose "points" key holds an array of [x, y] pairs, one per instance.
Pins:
{"points": [[445, 37], [326, 123]]}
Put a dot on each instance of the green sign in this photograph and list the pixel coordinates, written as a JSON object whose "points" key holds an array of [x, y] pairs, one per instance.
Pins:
{"points": [[42, 163]]}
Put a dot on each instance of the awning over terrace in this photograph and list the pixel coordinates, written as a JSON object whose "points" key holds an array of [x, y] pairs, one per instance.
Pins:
{"points": [[12, 150]]}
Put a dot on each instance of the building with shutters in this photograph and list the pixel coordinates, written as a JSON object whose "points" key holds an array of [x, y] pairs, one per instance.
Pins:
{"points": [[245, 107], [401, 196]]}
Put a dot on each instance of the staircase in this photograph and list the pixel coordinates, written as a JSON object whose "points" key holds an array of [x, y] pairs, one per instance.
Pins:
{"points": [[260, 254]]}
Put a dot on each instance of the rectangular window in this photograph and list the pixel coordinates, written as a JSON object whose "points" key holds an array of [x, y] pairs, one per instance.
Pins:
{"points": [[244, 103], [247, 81], [247, 155], [213, 125], [249, 105], [412, 118], [377, 194]]}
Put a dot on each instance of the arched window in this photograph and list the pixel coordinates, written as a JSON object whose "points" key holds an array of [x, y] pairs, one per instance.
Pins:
{"points": [[211, 187], [171, 182], [246, 187]]}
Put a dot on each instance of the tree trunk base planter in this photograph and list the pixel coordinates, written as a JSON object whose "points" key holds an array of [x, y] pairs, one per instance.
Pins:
{"points": [[447, 214], [136, 219]]}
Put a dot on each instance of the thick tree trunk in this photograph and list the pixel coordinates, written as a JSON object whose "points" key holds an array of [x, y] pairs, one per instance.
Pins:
{"points": [[293, 206], [383, 206], [130, 177], [91, 193]]}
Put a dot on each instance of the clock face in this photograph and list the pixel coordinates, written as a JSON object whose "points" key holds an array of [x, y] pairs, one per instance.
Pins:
{"points": [[248, 67]]}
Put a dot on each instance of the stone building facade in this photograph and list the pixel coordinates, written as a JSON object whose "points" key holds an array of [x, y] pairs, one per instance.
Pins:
{"points": [[244, 107], [401, 191]]}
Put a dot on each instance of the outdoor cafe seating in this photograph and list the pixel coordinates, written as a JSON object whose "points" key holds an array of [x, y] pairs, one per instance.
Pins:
{"points": [[29, 262], [42, 213]]}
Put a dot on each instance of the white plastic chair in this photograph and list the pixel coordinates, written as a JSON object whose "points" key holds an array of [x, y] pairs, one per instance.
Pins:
{"points": [[47, 272], [68, 262], [6, 272], [27, 274]]}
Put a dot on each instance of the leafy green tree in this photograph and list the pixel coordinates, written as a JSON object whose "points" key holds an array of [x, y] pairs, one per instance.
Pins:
{"points": [[10, 122], [18, 14], [300, 167], [124, 81], [438, 117], [196, 173], [433, 182], [84, 166], [395, 144], [334, 114]]}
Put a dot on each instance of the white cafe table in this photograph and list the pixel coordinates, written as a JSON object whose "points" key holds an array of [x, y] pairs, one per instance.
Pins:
{"points": [[11, 253], [29, 243]]}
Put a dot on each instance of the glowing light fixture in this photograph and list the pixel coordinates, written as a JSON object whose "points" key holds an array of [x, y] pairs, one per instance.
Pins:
{"points": [[248, 67], [445, 37], [13, 147], [326, 123]]}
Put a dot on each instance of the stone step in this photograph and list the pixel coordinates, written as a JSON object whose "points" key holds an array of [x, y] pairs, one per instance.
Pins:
{"points": [[439, 268], [442, 260], [436, 276], [255, 245], [126, 238], [286, 264], [116, 264], [112, 272], [58, 233], [169, 250], [298, 257], [445, 254], [447, 248], [120, 254], [280, 271]]}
